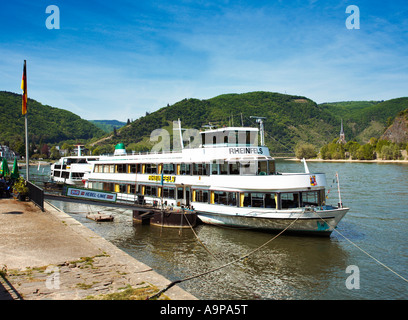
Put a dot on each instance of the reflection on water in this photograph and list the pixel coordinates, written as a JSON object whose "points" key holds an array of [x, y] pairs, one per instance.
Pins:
{"points": [[290, 267]]}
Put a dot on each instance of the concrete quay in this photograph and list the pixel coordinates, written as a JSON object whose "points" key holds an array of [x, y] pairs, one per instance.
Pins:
{"points": [[50, 255]]}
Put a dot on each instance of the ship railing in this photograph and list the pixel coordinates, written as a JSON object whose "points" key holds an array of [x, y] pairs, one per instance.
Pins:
{"points": [[126, 197], [231, 145]]}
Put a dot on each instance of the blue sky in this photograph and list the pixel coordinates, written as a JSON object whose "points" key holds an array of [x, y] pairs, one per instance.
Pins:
{"points": [[119, 59]]}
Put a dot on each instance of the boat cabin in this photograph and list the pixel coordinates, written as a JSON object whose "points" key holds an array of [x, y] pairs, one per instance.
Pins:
{"points": [[230, 137]]}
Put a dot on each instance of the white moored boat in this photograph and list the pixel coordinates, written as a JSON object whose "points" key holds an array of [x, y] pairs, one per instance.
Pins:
{"points": [[228, 179], [71, 169]]}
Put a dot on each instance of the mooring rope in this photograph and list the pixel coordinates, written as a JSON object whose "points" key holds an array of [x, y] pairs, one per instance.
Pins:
{"points": [[223, 266], [365, 252]]}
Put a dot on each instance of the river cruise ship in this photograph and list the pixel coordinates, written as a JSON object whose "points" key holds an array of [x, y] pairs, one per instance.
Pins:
{"points": [[71, 169], [228, 179]]}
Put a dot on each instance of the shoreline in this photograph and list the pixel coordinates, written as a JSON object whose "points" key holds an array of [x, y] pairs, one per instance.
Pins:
{"points": [[349, 160], [87, 264]]}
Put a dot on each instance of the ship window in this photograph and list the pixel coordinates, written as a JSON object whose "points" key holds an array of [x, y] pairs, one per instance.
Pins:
{"points": [[201, 196], [169, 168], [223, 168], [151, 191], [132, 168], [271, 165], [199, 169], [108, 187], [121, 168], [65, 174], [214, 167], [232, 198], [180, 193], [224, 198], [132, 188], [270, 200], [310, 198], [262, 167], [290, 200], [151, 168], [139, 188], [232, 138], [122, 188], [169, 193], [108, 168], [234, 167], [96, 185], [77, 175], [247, 199], [185, 168], [257, 200], [248, 167], [220, 197]]}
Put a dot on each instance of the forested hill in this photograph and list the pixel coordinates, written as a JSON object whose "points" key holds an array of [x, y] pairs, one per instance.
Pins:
{"points": [[46, 124], [289, 119], [108, 125], [366, 119]]}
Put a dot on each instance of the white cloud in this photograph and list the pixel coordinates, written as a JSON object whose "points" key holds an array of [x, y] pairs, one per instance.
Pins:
{"points": [[140, 61]]}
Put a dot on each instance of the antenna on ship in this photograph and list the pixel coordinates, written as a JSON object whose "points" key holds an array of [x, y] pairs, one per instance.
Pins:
{"points": [[181, 135], [261, 128]]}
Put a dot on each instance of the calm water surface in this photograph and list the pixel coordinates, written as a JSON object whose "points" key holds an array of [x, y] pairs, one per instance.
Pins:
{"points": [[290, 267]]}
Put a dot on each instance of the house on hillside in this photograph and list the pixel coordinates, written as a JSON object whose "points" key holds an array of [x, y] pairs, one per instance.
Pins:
{"points": [[6, 152]]}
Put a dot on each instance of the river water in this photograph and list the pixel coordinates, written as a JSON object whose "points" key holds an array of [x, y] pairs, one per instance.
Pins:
{"points": [[366, 259]]}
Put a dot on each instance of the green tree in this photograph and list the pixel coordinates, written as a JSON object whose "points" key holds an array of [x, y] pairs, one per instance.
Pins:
{"points": [[67, 148], [365, 152], [390, 152], [54, 153], [305, 150], [324, 152], [337, 150], [104, 149], [351, 147]]}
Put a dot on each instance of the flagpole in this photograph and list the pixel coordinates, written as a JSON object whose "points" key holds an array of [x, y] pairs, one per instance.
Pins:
{"points": [[24, 110], [26, 143]]}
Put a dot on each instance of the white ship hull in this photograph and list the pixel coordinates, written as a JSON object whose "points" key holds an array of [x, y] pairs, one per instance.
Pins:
{"points": [[320, 222]]}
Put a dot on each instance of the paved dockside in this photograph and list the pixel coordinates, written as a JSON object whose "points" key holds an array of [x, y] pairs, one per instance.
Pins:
{"points": [[50, 255]]}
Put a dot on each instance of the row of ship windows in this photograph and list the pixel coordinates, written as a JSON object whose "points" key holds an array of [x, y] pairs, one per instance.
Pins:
{"points": [[283, 200], [65, 174], [262, 167]]}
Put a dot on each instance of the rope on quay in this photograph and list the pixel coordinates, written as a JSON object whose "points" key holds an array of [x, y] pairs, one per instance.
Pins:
{"points": [[365, 252], [223, 266]]}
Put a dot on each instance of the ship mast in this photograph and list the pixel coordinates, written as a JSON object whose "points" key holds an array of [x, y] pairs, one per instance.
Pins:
{"points": [[261, 128]]}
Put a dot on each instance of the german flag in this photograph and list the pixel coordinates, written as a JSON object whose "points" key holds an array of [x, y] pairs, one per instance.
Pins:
{"points": [[24, 88]]}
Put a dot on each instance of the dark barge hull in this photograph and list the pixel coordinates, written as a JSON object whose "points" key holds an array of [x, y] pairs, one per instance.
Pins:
{"points": [[166, 218]]}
